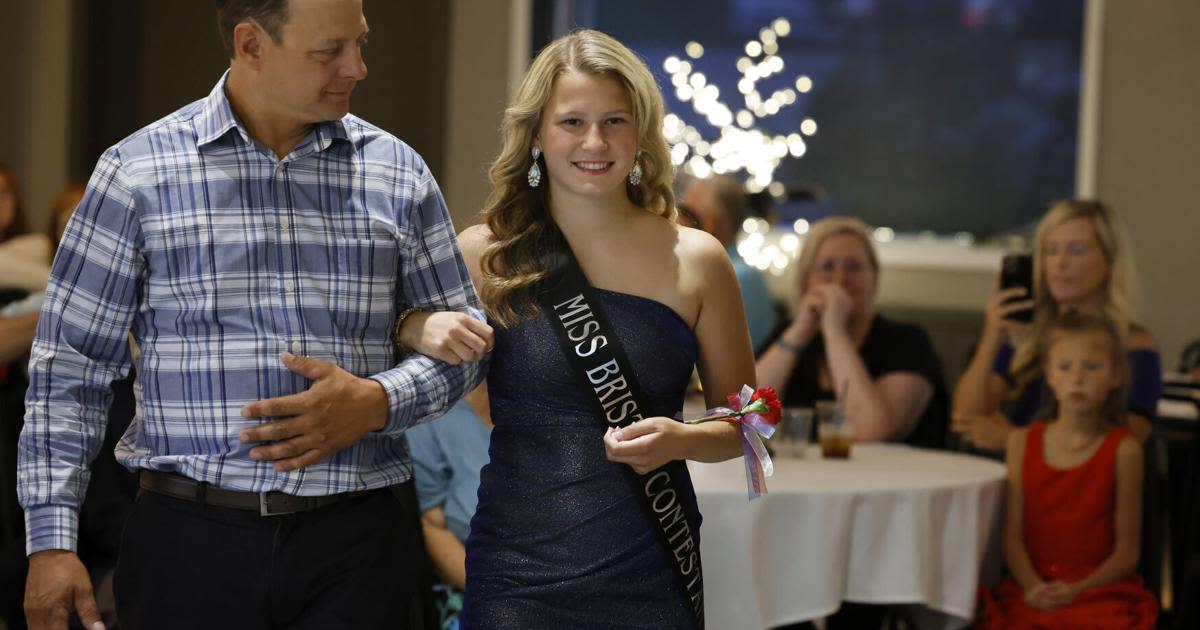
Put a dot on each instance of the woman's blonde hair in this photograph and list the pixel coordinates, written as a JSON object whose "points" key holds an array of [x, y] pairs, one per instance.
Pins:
{"points": [[524, 238], [1113, 243], [822, 231]]}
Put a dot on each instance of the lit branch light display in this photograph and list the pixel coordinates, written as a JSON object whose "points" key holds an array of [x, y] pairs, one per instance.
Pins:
{"points": [[740, 144]]}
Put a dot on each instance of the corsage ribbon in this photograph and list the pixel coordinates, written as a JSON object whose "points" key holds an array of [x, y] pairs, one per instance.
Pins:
{"points": [[756, 412]]}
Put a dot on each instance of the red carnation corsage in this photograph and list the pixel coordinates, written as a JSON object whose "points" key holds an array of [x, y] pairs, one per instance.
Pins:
{"points": [[757, 413]]}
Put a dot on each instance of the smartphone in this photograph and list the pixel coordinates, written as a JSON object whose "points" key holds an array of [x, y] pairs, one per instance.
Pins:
{"points": [[1016, 270]]}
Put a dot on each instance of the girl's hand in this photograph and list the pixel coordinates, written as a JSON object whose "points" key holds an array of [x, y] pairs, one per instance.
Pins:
{"points": [[448, 336], [838, 307], [1033, 594], [1059, 593], [1037, 596], [646, 444]]}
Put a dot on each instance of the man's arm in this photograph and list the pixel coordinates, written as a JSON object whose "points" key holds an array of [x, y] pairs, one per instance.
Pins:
{"points": [[79, 349], [315, 425], [433, 277]]}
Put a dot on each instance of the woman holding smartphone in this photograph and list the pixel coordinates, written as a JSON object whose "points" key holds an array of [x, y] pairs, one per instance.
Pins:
{"points": [[1080, 265]]}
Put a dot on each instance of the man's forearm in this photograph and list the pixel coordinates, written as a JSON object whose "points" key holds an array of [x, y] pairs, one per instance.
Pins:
{"points": [[421, 388]]}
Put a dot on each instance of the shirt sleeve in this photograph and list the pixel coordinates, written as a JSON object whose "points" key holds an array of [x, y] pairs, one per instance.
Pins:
{"points": [[430, 466], [433, 276], [79, 349], [1003, 361], [909, 350], [1145, 381], [759, 307]]}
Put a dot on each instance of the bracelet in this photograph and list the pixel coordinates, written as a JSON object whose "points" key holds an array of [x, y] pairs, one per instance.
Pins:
{"points": [[400, 324], [789, 346]]}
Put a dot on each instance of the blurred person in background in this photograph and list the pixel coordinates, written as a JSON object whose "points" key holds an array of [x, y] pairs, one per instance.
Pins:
{"points": [[885, 373], [836, 346], [1081, 265], [24, 255], [447, 456], [1072, 530], [719, 205], [60, 213]]}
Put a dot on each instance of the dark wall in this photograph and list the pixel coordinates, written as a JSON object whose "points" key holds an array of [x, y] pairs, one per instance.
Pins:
{"points": [[15, 52], [147, 58]]}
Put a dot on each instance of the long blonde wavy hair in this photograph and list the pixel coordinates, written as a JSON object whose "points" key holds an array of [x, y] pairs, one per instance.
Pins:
{"points": [[1113, 243], [524, 237]]}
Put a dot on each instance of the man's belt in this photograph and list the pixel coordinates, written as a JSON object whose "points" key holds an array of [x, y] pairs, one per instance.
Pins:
{"points": [[273, 503]]}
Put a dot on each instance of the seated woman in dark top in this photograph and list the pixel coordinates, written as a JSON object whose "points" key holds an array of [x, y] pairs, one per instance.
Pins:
{"points": [[836, 345], [1080, 265]]}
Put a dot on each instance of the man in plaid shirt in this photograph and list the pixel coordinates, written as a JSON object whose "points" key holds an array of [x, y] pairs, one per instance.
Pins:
{"points": [[260, 245]]}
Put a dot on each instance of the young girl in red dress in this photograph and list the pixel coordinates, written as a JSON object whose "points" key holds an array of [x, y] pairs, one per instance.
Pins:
{"points": [[1072, 529]]}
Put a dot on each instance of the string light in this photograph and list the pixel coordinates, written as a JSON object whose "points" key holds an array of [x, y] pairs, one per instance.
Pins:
{"points": [[883, 234], [739, 145]]}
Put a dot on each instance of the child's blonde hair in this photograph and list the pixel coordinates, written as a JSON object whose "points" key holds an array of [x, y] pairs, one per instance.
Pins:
{"points": [[1071, 324]]}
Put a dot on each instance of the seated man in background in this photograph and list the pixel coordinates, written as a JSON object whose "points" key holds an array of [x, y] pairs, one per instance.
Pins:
{"points": [[720, 205], [447, 455]]}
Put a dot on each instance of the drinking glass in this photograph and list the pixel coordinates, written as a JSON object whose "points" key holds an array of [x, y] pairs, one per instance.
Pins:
{"points": [[794, 428], [833, 430]]}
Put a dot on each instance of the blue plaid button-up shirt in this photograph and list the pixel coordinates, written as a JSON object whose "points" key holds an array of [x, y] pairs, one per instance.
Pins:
{"points": [[218, 257]]}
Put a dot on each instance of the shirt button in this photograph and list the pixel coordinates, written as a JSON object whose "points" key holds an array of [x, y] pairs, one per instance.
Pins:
{"points": [[295, 347], [288, 285], [284, 223]]}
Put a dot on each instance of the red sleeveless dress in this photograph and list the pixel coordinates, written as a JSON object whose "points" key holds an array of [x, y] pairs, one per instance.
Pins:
{"points": [[1070, 529]]}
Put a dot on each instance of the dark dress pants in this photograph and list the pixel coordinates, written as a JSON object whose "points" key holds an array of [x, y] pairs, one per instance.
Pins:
{"points": [[349, 565]]}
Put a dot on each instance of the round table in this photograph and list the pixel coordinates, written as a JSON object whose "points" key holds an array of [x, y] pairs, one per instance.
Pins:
{"points": [[892, 524]]}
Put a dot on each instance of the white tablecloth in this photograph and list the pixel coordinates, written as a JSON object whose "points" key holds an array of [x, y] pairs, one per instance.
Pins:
{"points": [[892, 524]]}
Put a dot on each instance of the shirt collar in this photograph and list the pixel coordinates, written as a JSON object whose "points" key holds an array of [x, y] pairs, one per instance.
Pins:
{"points": [[217, 118]]}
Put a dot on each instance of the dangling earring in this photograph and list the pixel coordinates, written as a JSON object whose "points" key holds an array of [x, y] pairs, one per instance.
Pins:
{"points": [[635, 174], [535, 173]]}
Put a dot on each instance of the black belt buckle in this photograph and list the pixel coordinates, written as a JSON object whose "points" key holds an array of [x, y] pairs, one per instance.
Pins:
{"points": [[265, 508]]}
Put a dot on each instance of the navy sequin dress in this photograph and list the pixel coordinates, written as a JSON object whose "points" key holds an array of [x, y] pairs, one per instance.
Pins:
{"points": [[560, 539]]}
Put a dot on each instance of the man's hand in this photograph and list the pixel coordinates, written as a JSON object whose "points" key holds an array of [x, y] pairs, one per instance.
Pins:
{"points": [[332, 415], [57, 584]]}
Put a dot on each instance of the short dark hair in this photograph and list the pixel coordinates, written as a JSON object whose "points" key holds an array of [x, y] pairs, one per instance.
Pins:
{"points": [[730, 194], [271, 15]]}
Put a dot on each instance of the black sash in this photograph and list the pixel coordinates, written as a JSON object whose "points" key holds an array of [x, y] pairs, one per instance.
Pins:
{"points": [[600, 364]]}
